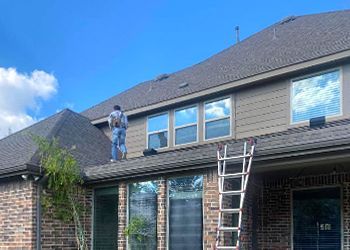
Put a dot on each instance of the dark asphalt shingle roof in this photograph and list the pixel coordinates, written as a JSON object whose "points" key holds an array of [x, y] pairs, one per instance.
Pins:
{"points": [[18, 152], [283, 146], [280, 45]]}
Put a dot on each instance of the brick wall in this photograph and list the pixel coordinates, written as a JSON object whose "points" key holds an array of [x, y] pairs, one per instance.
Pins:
{"points": [[17, 215], [274, 208], [122, 213], [162, 215], [56, 234]]}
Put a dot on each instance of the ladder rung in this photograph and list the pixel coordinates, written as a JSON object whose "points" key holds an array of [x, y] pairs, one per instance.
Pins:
{"points": [[235, 192], [235, 175], [227, 247], [234, 157], [229, 229], [230, 210]]}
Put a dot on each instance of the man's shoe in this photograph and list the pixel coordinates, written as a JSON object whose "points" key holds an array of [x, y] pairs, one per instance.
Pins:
{"points": [[124, 155], [112, 160]]}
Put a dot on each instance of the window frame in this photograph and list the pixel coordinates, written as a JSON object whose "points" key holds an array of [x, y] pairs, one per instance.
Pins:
{"points": [[217, 119], [186, 125], [341, 190], [341, 83], [93, 210], [168, 207], [158, 131]]}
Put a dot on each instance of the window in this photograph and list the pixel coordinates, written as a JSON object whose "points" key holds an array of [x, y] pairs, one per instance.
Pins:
{"points": [[317, 219], [158, 131], [185, 213], [316, 96], [143, 215], [217, 118], [186, 125], [105, 218]]}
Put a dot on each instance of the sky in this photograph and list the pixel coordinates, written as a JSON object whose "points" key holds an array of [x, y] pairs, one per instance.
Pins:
{"points": [[76, 54]]}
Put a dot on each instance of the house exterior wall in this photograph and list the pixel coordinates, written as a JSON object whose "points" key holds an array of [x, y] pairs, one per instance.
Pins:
{"points": [[56, 234], [256, 110], [273, 225], [17, 215]]}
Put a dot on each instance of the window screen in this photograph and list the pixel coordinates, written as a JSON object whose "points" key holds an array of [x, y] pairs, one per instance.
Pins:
{"points": [[143, 215], [185, 213], [316, 96], [105, 219]]}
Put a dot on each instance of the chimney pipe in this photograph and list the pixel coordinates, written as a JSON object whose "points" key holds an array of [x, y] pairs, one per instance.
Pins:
{"points": [[237, 34]]}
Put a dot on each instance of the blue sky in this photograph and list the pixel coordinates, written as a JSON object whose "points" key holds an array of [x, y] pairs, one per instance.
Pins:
{"points": [[96, 49]]}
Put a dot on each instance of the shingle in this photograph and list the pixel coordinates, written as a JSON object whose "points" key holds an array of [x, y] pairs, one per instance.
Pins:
{"points": [[281, 145], [72, 129], [280, 45]]}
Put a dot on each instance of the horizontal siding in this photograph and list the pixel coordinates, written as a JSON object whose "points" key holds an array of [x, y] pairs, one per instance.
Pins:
{"points": [[136, 137], [262, 109]]}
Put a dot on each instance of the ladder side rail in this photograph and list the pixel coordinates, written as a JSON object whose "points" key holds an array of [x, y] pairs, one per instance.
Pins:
{"points": [[220, 199], [244, 193]]}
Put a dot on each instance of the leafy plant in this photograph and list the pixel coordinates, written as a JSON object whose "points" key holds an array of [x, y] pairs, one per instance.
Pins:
{"points": [[140, 229], [63, 185]]}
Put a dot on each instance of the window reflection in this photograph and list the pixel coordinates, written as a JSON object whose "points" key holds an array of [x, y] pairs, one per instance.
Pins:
{"points": [[143, 215], [158, 131], [217, 109], [316, 96], [186, 125], [185, 213], [217, 118]]}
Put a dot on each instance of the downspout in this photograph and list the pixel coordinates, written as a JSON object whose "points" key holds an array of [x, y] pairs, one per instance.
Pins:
{"points": [[38, 216], [40, 181]]}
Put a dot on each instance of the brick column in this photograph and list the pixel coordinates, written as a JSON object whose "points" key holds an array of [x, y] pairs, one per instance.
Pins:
{"points": [[211, 207], [122, 213], [162, 215], [346, 215]]}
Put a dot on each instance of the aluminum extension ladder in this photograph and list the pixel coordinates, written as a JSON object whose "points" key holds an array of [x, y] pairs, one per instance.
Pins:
{"points": [[247, 158]]}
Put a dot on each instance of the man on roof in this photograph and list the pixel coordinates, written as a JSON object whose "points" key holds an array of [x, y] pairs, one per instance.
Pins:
{"points": [[118, 123]]}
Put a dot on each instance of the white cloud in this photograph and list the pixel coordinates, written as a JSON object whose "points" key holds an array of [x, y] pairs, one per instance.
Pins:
{"points": [[19, 93]]}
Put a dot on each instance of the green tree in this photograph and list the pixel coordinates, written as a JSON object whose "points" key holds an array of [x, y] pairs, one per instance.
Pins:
{"points": [[63, 186]]}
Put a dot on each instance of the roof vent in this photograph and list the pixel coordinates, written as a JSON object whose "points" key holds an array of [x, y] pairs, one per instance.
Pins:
{"points": [[162, 77], [183, 85], [317, 122], [287, 20]]}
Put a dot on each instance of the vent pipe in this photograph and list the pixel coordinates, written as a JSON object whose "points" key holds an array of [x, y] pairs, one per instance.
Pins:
{"points": [[237, 34]]}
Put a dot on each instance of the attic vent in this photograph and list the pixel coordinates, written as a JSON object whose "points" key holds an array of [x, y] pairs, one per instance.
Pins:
{"points": [[288, 19], [183, 85], [162, 77]]}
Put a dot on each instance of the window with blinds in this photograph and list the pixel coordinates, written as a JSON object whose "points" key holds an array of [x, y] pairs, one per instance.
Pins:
{"points": [[316, 96], [105, 223], [317, 219], [185, 213], [143, 215]]}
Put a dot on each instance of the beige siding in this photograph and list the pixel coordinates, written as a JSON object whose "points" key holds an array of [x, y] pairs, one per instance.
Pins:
{"points": [[262, 109], [257, 110], [135, 136]]}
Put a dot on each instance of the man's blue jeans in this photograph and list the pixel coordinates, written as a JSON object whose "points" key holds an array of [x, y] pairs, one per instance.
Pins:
{"points": [[118, 141]]}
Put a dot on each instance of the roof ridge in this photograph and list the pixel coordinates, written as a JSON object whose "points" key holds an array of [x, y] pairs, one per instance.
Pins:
{"points": [[323, 13], [32, 125], [54, 130]]}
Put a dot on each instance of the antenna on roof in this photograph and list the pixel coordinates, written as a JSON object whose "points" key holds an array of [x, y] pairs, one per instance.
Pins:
{"points": [[237, 34]]}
